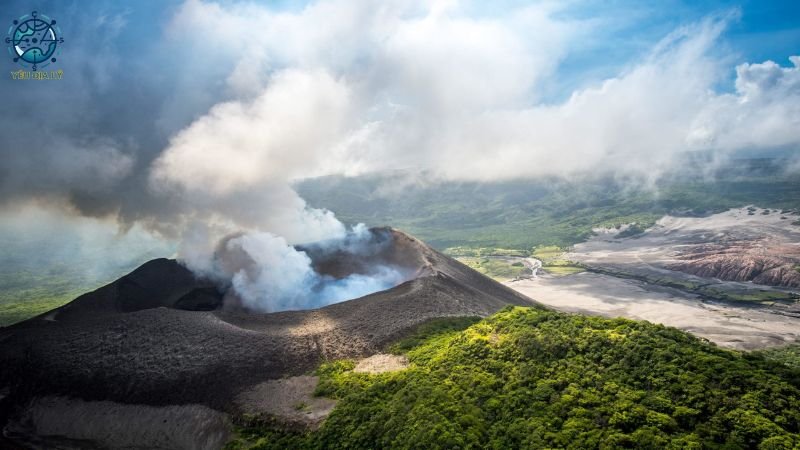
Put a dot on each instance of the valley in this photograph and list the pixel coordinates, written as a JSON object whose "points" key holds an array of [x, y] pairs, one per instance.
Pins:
{"points": [[641, 277], [727, 325]]}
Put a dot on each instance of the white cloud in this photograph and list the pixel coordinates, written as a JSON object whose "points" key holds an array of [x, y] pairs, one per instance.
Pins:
{"points": [[347, 79], [351, 87], [246, 144], [763, 112]]}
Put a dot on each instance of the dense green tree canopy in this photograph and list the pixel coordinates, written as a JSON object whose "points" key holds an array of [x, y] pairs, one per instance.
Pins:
{"points": [[528, 378]]}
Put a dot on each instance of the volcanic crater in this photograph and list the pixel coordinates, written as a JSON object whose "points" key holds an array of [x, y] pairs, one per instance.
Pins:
{"points": [[160, 337]]}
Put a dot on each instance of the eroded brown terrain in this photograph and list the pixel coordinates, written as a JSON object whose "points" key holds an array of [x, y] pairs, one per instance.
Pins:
{"points": [[762, 261], [742, 250]]}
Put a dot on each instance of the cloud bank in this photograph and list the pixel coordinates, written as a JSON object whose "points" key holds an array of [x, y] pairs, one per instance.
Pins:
{"points": [[390, 86], [217, 135]]}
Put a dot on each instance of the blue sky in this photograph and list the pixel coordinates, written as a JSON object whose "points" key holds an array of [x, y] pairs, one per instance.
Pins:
{"points": [[764, 30]]}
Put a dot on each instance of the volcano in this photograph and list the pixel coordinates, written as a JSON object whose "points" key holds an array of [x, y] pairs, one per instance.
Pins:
{"points": [[159, 351]]}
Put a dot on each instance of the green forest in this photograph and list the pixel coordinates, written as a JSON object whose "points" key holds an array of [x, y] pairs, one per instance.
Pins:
{"points": [[530, 378], [556, 211]]}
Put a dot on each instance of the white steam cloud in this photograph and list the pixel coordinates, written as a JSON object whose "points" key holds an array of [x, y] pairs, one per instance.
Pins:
{"points": [[343, 87], [262, 272], [353, 87]]}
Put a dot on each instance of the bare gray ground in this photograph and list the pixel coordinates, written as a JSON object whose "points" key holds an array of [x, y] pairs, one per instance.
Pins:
{"points": [[60, 422], [290, 400], [740, 326], [736, 235], [744, 328]]}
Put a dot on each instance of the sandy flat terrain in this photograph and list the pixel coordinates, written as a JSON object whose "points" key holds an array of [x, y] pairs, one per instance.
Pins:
{"points": [[735, 237], [744, 328]]}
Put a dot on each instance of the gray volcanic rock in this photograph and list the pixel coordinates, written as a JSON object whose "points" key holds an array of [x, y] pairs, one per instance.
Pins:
{"points": [[159, 337]]}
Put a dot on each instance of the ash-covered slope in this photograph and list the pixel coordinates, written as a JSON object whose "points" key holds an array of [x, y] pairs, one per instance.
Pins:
{"points": [[159, 282], [158, 336]]}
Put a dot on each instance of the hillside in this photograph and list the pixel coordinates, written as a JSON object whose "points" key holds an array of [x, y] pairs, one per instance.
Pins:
{"points": [[548, 210], [526, 378], [161, 340]]}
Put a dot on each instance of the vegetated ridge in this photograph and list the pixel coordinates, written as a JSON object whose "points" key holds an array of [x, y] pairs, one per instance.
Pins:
{"points": [[528, 378]]}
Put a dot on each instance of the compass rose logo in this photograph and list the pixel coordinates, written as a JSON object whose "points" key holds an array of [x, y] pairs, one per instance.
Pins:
{"points": [[33, 40]]}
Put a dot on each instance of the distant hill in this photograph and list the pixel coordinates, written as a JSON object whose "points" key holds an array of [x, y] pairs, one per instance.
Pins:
{"points": [[549, 210]]}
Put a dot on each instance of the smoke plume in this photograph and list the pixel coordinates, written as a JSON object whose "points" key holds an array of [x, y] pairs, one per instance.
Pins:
{"points": [[262, 272]]}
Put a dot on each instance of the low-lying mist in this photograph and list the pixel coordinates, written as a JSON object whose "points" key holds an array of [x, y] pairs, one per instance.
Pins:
{"points": [[262, 272]]}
